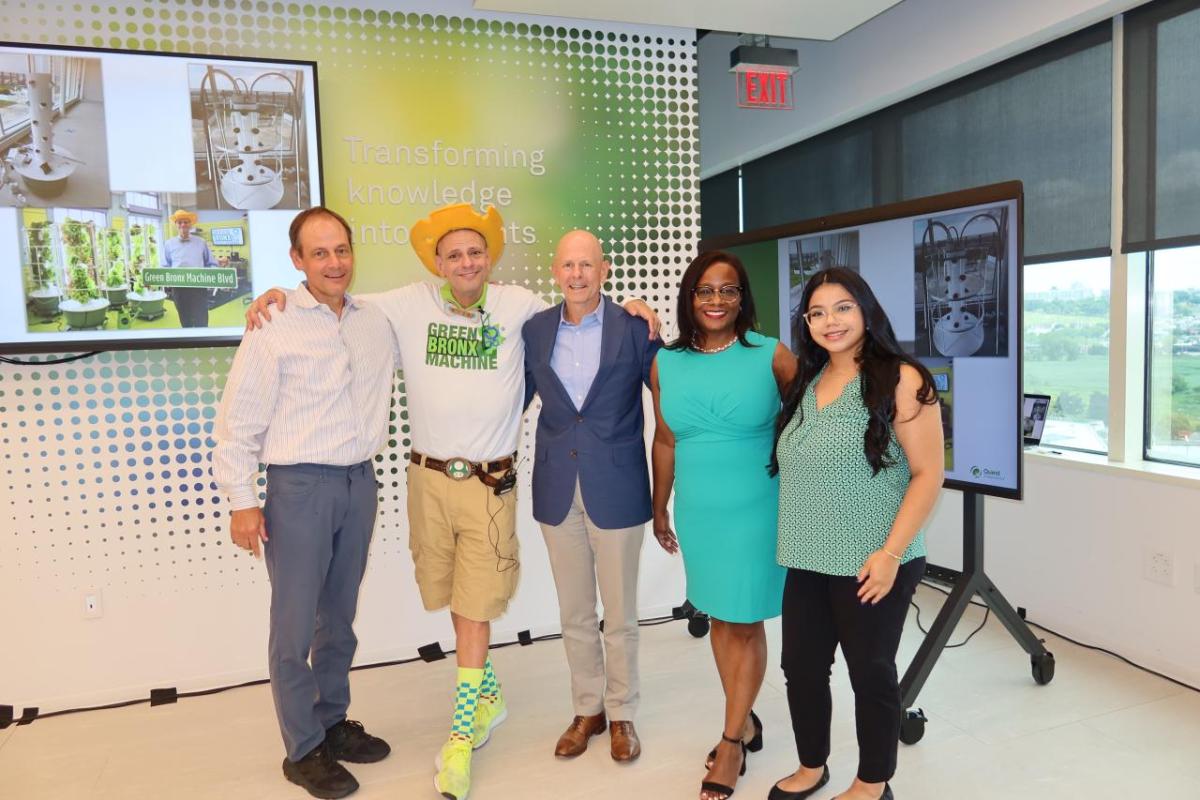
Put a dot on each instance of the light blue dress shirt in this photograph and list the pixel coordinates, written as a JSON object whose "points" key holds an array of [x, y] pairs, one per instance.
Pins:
{"points": [[576, 356], [192, 253]]}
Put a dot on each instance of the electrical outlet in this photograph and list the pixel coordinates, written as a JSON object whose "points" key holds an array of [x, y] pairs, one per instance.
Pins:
{"points": [[1158, 567], [93, 605]]}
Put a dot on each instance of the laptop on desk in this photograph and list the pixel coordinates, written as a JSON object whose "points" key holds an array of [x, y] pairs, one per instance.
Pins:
{"points": [[1033, 416]]}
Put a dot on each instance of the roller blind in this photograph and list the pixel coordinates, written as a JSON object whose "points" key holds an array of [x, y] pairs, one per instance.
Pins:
{"points": [[719, 204], [1043, 117], [1162, 126]]}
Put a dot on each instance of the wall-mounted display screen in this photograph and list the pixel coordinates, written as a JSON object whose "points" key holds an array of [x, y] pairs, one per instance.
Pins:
{"points": [[143, 198], [228, 236], [947, 272]]}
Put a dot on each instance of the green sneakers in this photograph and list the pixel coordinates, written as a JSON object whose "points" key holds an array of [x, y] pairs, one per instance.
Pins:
{"points": [[453, 779], [488, 716]]}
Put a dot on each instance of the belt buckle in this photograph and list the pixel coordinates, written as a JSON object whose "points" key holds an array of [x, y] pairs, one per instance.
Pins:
{"points": [[459, 469]]}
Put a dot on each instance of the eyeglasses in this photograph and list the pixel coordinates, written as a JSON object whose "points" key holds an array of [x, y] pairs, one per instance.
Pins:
{"points": [[728, 293], [817, 315]]}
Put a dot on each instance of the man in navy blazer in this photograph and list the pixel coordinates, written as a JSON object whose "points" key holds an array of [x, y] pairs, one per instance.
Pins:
{"points": [[588, 360]]}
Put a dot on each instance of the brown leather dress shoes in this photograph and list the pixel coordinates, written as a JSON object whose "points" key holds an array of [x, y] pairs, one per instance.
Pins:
{"points": [[625, 744], [575, 738]]}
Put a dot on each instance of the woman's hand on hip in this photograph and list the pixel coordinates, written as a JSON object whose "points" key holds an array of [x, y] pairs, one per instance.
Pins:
{"points": [[877, 576]]}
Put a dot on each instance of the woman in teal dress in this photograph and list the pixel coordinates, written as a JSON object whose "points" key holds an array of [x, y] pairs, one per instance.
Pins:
{"points": [[717, 393]]}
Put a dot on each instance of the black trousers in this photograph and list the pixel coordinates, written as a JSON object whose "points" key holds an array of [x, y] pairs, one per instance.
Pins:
{"points": [[192, 305], [821, 612]]}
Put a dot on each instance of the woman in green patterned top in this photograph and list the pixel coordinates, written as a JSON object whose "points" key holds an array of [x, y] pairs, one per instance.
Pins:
{"points": [[860, 459]]}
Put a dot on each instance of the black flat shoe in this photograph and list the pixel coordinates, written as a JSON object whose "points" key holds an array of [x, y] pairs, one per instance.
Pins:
{"points": [[783, 794], [754, 745], [720, 788]]}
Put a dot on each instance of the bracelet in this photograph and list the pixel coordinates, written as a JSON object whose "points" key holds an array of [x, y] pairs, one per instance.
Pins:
{"points": [[890, 553]]}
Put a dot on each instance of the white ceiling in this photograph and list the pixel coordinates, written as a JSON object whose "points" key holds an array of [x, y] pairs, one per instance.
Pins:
{"points": [[800, 19]]}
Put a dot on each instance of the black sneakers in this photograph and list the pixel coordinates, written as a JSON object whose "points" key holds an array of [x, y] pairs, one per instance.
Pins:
{"points": [[348, 741], [320, 775]]}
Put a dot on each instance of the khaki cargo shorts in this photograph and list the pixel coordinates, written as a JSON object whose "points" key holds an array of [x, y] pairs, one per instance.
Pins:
{"points": [[463, 540]]}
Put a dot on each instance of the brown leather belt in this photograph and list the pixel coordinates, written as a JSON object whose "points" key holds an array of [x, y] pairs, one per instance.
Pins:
{"points": [[460, 469]]}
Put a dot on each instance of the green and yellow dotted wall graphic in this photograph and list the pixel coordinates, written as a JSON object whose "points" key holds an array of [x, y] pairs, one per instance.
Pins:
{"points": [[106, 461]]}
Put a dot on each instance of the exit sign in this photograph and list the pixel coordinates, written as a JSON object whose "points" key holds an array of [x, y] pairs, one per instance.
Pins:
{"points": [[764, 89]]}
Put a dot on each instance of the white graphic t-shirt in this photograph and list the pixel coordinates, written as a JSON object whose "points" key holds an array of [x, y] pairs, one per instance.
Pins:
{"points": [[464, 374]]}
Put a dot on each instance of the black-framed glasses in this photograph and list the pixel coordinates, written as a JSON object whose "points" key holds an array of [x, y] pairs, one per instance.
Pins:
{"points": [[815, 316], [728, 293]]}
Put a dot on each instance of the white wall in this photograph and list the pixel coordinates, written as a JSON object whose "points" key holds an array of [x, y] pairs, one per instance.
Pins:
{"points": [[186, 610], [1072, 553], [911, 47]]}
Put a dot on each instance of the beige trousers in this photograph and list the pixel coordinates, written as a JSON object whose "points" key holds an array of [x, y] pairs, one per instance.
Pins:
{"points": [[583, 557]]}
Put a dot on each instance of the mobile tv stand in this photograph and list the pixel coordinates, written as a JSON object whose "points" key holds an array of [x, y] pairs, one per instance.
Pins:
{"points": [[972, 582]]}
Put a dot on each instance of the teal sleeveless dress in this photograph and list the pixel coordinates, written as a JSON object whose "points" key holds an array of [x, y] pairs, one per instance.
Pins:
{"points": [[722, 408]]}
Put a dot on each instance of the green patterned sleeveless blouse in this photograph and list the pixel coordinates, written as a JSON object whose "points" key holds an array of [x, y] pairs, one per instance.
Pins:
{"points": [[833, 512]]}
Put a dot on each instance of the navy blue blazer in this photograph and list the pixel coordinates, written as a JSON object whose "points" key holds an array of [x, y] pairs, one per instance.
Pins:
{"points": [[601, 443]]}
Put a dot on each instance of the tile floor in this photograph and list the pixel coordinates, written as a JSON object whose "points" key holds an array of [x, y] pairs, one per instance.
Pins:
{"points": [[1100, 730]]}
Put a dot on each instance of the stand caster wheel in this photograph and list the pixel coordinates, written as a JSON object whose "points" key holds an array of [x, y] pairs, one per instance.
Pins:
{"points": [[912, 726], [698, 625], [1043, 668]]}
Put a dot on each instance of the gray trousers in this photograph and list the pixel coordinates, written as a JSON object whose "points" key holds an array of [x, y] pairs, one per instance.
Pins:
{"points": [[582, 558], [319, 521]]}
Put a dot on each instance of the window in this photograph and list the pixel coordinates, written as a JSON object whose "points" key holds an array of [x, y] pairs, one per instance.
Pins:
{"points": [[1173, 360], [14, 103], [1066, 349], [142, 201]]}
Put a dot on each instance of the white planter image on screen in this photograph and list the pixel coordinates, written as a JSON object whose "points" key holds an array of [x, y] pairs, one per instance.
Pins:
{"points": [[52, 138], [253, 140], [960, 262], [44, 166]]}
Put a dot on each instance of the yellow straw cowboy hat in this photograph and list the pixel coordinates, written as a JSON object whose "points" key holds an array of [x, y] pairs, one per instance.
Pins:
{"points": [[190, 216], [426, 234]]}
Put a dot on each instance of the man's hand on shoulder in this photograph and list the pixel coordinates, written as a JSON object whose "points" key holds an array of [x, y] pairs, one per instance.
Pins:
{"points": [[639, 308], [259, 310]]}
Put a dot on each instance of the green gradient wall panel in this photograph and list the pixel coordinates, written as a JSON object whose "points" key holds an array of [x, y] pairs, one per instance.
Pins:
{"points": [[106, 461]]}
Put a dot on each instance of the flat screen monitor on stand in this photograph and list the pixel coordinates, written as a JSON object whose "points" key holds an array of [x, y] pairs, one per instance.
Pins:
{"points": [[947, 271]]}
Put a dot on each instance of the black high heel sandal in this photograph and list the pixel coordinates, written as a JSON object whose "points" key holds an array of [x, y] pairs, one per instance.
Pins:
{"points": [[720, 788], [754, 745], [756, 742]]}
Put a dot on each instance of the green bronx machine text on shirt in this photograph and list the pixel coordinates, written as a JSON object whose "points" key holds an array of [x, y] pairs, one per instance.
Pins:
{"points": [[462, 346]]}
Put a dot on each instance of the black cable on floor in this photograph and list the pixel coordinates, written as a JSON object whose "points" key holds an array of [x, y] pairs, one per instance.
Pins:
{"points": [[1075, 642], [987, 612], [650, 621]]}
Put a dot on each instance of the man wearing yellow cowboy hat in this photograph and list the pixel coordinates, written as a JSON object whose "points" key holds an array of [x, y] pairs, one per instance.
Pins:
{"points": [[186, 250], [464, 375]]}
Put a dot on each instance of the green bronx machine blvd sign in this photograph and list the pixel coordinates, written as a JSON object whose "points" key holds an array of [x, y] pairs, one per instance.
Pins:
{"points": [[198, 277]]}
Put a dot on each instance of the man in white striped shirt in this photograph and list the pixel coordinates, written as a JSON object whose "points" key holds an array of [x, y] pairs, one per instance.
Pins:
{"points": [[309, 396]]}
